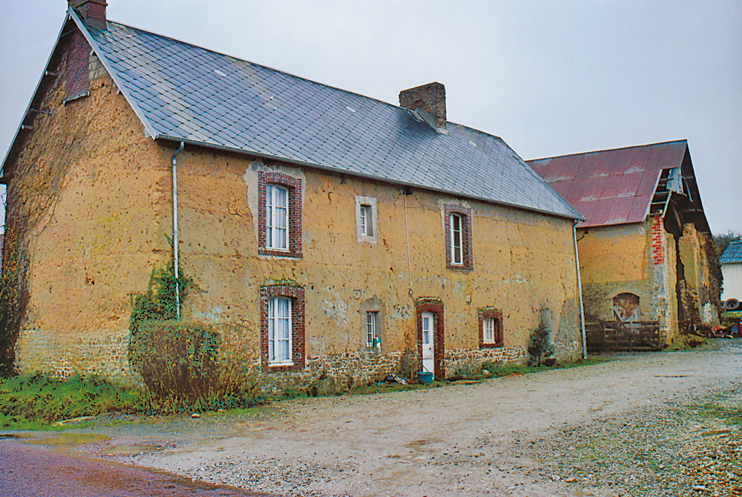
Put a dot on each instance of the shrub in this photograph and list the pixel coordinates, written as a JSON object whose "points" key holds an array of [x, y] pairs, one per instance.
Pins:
{"points": [[185, 363], [540, 348], [175, 359]]}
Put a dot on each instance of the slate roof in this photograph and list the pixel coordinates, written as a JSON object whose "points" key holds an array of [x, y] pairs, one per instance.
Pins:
{"points": [[610, 187], [732, 254], [186, 93]]}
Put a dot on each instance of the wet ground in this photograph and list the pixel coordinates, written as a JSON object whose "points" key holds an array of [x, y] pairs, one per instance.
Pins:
{"points": [[49, 465]]}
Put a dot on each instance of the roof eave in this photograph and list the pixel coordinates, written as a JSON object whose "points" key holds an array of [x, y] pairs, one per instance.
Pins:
{"points": [[335, 170]]}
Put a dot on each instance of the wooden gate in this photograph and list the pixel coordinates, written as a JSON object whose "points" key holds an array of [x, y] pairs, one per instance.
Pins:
{"points": [[609, 336]]}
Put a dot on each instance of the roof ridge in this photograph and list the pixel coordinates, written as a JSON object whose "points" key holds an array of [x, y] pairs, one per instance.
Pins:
{"points": [[610, 149]]}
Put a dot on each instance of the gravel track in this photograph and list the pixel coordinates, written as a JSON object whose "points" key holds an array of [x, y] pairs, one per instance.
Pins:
{"points": [[641, 424]]}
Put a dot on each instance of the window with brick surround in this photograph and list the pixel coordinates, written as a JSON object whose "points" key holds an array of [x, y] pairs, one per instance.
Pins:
{"points": [[490, 328], [458, 238], [280, 215], [282, 339]]}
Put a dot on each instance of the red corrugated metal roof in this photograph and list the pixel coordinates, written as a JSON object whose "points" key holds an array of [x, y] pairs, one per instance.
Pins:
{"points": [[611, 186]]}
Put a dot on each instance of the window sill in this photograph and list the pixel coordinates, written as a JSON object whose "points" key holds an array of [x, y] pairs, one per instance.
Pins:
{"points": [[280, 253], [491, 345], [459, 267]]}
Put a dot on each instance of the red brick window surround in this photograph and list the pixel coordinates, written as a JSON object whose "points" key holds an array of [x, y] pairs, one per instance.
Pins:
{"points": [[282, 335], [458, 238], [279, 215], [490, 328]]}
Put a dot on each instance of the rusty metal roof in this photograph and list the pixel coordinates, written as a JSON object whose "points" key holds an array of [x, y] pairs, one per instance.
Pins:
{"points": [[610, 187]]}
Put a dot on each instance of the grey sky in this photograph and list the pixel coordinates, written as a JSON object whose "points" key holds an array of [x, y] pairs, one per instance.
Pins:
{"points": [[549, 77]]}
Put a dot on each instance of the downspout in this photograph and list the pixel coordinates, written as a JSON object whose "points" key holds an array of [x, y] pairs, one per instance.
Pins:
{"points": [[579, 291], [175, 229]]}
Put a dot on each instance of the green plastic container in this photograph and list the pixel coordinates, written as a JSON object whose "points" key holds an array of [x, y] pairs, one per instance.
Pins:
{"points": [[425, 377]]}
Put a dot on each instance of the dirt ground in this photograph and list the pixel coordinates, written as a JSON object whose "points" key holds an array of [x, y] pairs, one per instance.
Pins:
{"points": [[636, 425]]}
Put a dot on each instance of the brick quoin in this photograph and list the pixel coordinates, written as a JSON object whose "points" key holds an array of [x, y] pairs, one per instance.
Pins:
{"points": [[438, 345], [295, 213], [658, 241], [298, 336]]}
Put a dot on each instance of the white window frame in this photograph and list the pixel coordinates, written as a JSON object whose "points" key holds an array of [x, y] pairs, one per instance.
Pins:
{"points": [[457, 249], [372, 328], [367, 219], [276, 320], [489, 327], [367, 229], [276, 218]]}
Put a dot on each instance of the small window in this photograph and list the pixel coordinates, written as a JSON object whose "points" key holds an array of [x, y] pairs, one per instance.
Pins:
{"points": [[372, 329], [279, 331], [276, 217], [367, 227], [490, 328], [366, 217], [458, 238]]}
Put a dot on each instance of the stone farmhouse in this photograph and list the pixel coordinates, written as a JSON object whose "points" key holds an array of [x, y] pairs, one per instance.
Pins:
{"points": [[329, 232], [647, 259]]}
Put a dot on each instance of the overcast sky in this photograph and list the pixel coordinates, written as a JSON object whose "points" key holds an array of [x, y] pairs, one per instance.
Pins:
{"points": [[550, 77]]}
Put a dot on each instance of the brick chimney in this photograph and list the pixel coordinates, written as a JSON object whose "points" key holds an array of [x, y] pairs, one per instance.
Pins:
{"points": [[429, 102], [92, 12]]}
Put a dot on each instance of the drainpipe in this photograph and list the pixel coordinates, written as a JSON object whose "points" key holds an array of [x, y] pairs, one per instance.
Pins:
{"points": [[579, 291], [175, 228]]}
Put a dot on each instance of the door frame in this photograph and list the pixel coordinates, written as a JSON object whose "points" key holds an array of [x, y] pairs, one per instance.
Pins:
{"points": [[434, 307]]}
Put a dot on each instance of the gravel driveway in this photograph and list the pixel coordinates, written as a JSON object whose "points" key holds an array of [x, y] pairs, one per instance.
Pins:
{"points": [[637, 425]]}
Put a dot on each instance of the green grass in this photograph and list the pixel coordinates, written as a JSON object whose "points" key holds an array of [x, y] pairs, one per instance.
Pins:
{"points": [[500, 370], [37, 402]]}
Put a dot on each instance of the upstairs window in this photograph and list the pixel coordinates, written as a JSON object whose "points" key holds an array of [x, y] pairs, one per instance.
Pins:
{"points": [[279, 215], [457, 256], [366, 226], [276, 217], [458, 238]]}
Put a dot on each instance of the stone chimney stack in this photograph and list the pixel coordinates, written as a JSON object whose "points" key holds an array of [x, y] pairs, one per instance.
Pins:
{"points": [[431, 100], [92, 12]]}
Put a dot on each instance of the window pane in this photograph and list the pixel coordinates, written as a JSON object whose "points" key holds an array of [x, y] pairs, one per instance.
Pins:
{"points": [[367, 224], [456, 249], [279, 329], [277, 217], [488, 331]]}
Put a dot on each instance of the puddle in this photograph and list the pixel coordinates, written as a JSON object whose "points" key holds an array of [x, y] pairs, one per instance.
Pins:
{"points": [[69, 439], [132, 450], [713, 433], [13, 436]]}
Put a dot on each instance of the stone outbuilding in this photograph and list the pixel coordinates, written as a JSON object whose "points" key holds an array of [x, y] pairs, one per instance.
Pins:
{"points": [[327, 232], [648, 264], [731, 269]]}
